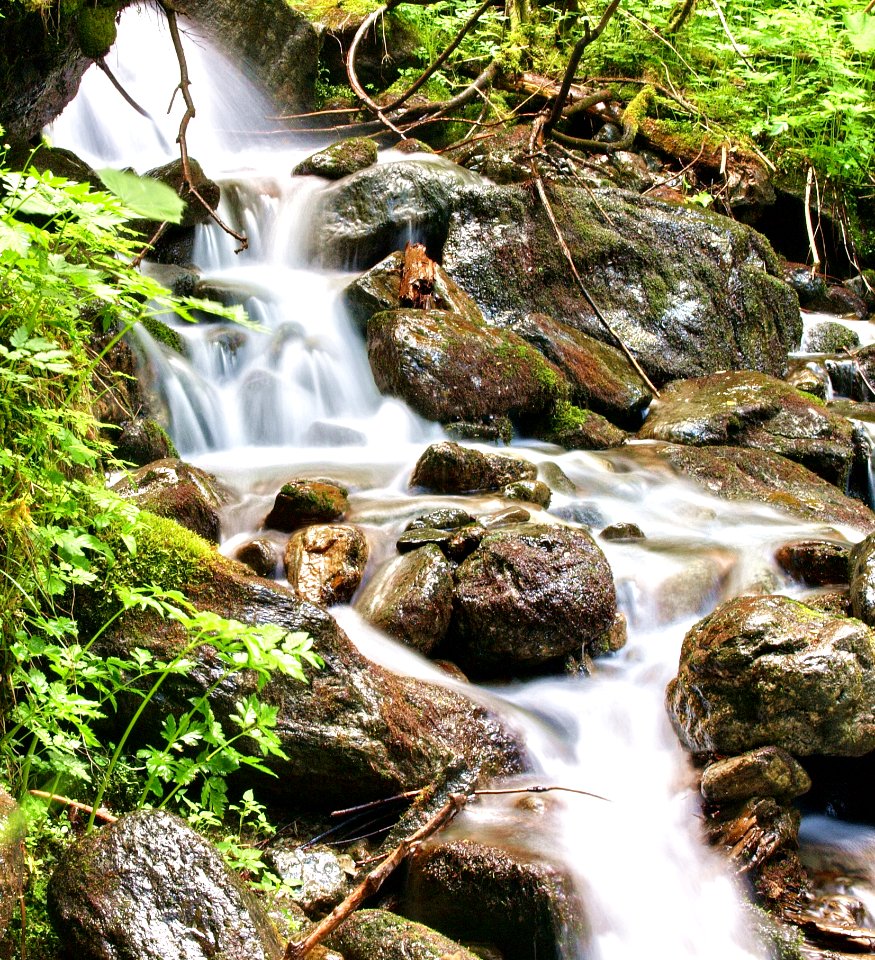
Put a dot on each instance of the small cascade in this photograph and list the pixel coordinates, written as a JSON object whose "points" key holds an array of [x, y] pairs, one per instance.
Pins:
{"points": [[293, 394]]}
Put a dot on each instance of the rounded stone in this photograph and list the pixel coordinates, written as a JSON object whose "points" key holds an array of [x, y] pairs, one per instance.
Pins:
{"points": [[764, 772], [302, 501], [325, 563]]}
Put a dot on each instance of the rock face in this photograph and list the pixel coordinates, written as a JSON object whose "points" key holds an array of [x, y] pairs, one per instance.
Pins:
{"points": [[411, 598], [748, 409], [477, 892], [354, 732], [449, 368], [690, 292], [737, 474], [143, 440], [771, 671], [380, 935], [528, 595], [13, 873], [340, 160], [302, 501], [765, 772], [325, 563], [449, 468], [277, 44], [862, 577], [175, 489], [149, 887], [815, 563], [600, 376], [379, 290]]}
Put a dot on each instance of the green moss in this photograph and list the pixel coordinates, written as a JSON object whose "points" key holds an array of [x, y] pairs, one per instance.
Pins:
{"points": [[96, 31], [163, 334], [566, 416], [333, 13]]}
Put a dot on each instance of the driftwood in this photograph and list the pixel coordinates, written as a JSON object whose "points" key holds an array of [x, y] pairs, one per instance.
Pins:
{"points": [[417, 278], [297, 949], [100, 814]]}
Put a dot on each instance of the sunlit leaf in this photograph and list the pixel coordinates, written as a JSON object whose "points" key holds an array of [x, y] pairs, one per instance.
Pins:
{"points": [[142, 195]]}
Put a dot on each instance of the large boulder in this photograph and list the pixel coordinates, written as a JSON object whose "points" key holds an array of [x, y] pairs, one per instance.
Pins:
{"points": [[768, 670], [175, 489], [148, 886], [689, 291], [600, 376], [734, 473], [341, 159], [749, 409], [449, 468], [275, 42], [448, 368], [352, 733], [365, 217], [411, 598], [528, 595]]}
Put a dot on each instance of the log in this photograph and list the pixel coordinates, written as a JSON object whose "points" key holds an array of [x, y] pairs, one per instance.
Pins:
{"points": [[417, 278]]}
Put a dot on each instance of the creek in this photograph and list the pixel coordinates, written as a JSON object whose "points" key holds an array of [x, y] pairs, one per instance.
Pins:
{"points": [[296, 398]]}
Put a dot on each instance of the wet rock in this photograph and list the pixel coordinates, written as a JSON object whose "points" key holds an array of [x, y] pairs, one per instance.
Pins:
{"points": [[476, 893], [325, 563], [13, 873], [830, 337], [454, 544], [142, 441], [748, 409], [765, 772], [175, 489], [815, 563], [528, 595], [376, 211], [411, 598], [120, 395], [760, 833], [378, 290], [552, 474], [689, 291], [260, 555], [445, 518], [532, 491], [449, 468], [339, 160], [771, 671], [505, 518], [809, 377], [861, 571], [600, 376], [179, 280], [612, 640], [837, 603], [623, 533], [171, 174], [736, 474], [842, 300], [316, 875], [275, 43], [352, 734], [303, 501], [448, 368], [149, 887], [492, 430], [380, 935], [577, 429], [809, 286]]}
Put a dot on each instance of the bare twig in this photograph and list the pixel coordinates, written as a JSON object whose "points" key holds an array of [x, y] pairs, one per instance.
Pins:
{"points": [[125, 95], [100, 814], [297, 949], [589, 36], [538, 789], [732, 39], [407, 795], [150, 244], [351, 74], [537, 130], [184, 89], [809, 180]]}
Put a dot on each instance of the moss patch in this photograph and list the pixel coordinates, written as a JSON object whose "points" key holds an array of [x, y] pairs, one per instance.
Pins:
{"points": [[96, 30]]}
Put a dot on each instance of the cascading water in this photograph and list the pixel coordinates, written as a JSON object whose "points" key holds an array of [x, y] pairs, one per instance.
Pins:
{"points": [[296, 396]]}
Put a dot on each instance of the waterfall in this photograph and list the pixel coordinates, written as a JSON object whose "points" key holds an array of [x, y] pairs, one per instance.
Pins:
{"points": [[296, 396]]}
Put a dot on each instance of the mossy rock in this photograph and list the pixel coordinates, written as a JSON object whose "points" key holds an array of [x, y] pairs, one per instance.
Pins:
{"points": [[577, 429], [303, 501], [96, 30], [380, 935], [450, 468], [143, 440], [340, 159]]}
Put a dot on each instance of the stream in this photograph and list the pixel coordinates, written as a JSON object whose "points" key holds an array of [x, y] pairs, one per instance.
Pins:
{"points": [[296, 398]]}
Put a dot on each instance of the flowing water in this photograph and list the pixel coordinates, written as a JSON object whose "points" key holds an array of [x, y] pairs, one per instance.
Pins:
{"points": [[297, 398]]}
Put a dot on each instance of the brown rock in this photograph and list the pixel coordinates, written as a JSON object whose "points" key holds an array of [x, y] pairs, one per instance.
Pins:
{"points": [[449, 468], [303, 501], [325, 563]]}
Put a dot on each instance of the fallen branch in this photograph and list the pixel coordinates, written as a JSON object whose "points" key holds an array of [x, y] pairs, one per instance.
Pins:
{"points": [[187, 117], [351, 74], [417, 278], [732, 39], [297, 949], [538, 128], [100, 814], [124, 93], [538, 789]]}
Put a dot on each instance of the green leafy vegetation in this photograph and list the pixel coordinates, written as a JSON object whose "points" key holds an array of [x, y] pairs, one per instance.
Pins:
{"points": [[70, 716]]}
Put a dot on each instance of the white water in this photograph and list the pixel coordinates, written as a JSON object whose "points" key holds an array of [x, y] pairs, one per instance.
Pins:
{"points": [[259, 407]]}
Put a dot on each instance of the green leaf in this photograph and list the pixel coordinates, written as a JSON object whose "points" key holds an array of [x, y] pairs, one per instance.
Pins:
{"points": [[861, 31], [142, 195]]}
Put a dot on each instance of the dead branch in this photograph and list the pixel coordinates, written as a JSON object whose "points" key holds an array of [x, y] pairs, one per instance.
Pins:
{"points": [[809, 227], [589, 36], [535, 143], [362, 807], [124, 93], [297, 949], [680, 15], [351, 74], [538, 789], [732, 39], [100, 814], [417, 278], [184, 89], [483, 81]]}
